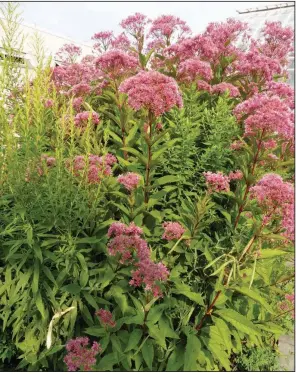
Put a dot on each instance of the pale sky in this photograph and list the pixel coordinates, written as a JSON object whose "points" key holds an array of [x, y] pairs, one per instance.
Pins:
{"points": [[80, 20]]}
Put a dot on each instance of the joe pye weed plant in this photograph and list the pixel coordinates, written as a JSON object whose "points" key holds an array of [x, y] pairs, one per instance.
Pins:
{"points": [[147, 200]]}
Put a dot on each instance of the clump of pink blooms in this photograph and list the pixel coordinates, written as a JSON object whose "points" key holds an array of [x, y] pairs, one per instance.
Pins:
{"points": [[129, 180], [267, 114], [69, 53], [165, 26], [121, 42], [194, 68], [235, 146], [133, 249], [105, 318], [287, 304], [94, 167], [153, 91], [117, 63], [237, 175], [276, 198], [135, 24], [80, 356], [103, 41], [81, 119], [48, 103], [217, 182], [223, 87], [172, 230], [81, 89], [77, 103]]}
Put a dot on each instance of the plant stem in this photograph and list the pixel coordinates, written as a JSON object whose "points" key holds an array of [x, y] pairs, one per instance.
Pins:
{"points": [[148, 165], [248, 186]]}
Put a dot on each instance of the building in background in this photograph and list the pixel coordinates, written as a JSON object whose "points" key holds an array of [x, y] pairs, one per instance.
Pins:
{"points": [[51, 44], [256, 18]]}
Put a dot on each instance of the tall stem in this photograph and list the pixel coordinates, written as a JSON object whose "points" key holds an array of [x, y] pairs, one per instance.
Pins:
{"points": [[248, 186], [149, 159]]}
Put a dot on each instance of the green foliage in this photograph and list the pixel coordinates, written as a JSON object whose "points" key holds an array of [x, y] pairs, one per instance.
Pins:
{"points": [[227, 277]]}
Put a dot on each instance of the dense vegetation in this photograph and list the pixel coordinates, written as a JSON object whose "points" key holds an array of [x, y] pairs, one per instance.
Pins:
{"points": [[147, 204]]}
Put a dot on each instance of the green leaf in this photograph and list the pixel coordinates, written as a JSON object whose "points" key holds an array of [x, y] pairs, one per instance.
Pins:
{"points": [[106, 362], [268, 253], [116, 344], [185, 290], [165, 180], [134, 339], [224, 332], [136, 153], [237, 320], [148, 353], [157, 334], [35, 282], [40, 305], [167, 331], [73, 288], [130, 139], [155, 313], [255, 296], [176, 359], [191, 353], [95, 331]]}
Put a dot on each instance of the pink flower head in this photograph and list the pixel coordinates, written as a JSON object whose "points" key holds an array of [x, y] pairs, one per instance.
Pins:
{"points": [[265, 114], [194, 68], [165, 26], [153, 91], [223, 87], [103, 40], [82, 118], [129, 180], [203, 86], [121, 42], [284, 91], [94, 167], [135, 24], [69, 53], [105, 317], [159, 126], [117, 63], [217, 182], [80, 89], [236, 175], [235, 146], [269, 144], [172, 230], [148, 273], [49, 103], [79, 355], [276, 198], [77, 103]]}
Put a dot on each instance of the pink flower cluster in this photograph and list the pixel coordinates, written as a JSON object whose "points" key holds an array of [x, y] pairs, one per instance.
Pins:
{"points": [[94, 167], [237, 175], [223, 87], [80, 89], [103, 41], [129, 180], [105, 317], [194, 68], [172, 230], [116, 63], [153, 91], [135, 24], [132, 248], [217, 182], [276, 198], [48, 103], [81, 119], [68, 53], [267, 114], [80, 356], [165, 26], [288, 303]]}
